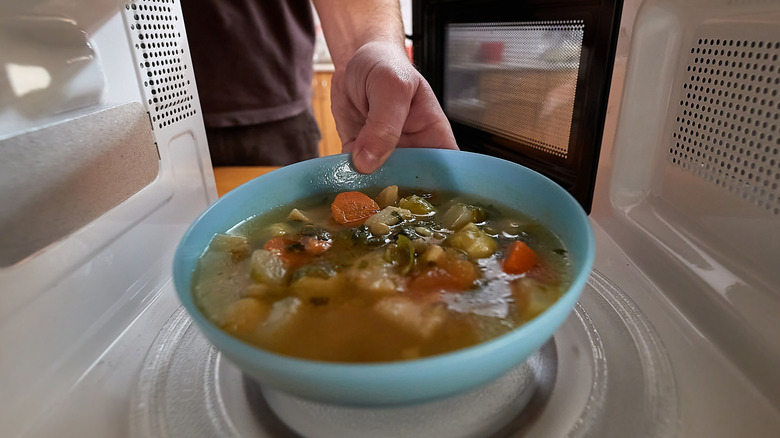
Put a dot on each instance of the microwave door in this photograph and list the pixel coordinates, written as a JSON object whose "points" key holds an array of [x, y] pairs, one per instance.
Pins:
{"points": [[525, 81]]}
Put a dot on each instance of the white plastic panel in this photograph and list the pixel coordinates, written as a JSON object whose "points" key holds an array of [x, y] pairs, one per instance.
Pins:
{"points": [[156, 33], [62, 308], [727, 128], [695, 171]]}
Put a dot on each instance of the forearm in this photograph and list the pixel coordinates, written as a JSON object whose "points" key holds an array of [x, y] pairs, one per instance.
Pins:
{"points": [[350, 24]]}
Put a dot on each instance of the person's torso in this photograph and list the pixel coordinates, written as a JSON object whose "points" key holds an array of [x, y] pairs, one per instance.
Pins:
{"points": [[252, 58]]}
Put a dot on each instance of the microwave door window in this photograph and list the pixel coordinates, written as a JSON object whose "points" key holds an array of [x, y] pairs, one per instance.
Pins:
{"points": [[515, 80]]}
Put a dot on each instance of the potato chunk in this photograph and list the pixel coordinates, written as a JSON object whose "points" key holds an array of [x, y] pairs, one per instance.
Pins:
{"points": [[419, 319], [219, 281], [282, 314], [432, 254], [387, 196], [461, 214], [372, 273], [237, 246], [244, 315], [297, 215], [532, 297], [317, 287], [267, 267], [473, 241]]}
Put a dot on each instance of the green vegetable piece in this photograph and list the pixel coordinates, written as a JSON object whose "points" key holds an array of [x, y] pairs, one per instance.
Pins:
{"points": [[315, 231], [359, 236], [417, 205], [479, 214], [401, 254]]}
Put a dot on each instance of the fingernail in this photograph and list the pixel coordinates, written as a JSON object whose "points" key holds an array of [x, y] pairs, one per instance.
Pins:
{"points": [[365, 161]]}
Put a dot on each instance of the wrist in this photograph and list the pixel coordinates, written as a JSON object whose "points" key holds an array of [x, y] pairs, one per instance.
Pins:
{"points": [[376, 52], [349, 25]]}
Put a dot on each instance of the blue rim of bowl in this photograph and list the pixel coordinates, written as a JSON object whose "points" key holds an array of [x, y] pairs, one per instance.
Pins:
{"points": [[386, 371]]}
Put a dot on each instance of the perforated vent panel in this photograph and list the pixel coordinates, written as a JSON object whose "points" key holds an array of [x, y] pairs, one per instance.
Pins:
{"points": [[156, 31], [515, 80], [726, 129]]}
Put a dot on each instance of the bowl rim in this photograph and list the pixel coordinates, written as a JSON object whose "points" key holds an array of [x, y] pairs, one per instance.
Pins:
{"points": [[368, 372]]}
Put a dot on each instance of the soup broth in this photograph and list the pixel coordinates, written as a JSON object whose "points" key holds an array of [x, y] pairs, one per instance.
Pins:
{"points": [[384, 276]]}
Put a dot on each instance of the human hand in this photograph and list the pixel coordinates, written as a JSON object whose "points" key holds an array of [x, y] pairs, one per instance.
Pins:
{"points": [[380, 102]]}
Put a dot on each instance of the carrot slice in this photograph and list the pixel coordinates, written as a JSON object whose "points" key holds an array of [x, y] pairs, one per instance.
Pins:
{"points": [[439, 279], [450, 274], [315, 246], [520, 258], [290, 251], [351, 207], [278, 244]]}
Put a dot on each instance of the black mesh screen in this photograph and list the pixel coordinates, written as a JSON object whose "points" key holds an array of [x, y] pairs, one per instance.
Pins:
{"points": [[515, 80]]}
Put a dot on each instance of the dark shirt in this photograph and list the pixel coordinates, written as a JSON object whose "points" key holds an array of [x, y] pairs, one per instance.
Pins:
{"points": [[252, 58]]}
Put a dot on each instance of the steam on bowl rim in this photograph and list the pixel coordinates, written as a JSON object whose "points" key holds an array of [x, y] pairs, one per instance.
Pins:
{"points": [[402, 382]]}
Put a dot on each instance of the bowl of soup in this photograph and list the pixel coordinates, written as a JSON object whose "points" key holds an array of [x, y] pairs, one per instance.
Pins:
{"points": [[433, 276]]}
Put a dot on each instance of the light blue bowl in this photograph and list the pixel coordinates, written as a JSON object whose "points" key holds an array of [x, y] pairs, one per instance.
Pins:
{"points": [[407, 382]]}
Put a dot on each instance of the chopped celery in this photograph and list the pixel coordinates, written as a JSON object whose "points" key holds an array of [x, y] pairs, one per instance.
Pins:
{"points": [[460, 214]]}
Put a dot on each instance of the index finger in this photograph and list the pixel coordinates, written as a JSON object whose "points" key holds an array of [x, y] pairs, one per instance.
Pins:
{"points": [[388, 108]]}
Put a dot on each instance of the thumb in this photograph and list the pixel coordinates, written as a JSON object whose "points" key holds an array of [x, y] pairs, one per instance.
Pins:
{"points": [[377, 139]]}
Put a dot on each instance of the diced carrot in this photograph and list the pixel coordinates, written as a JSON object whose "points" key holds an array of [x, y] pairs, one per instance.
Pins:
{"points": [[290, 251], [315, 246], [520, 258], [278, 244], [449, 275], [352, 207], [434, 280], [544, 274]]}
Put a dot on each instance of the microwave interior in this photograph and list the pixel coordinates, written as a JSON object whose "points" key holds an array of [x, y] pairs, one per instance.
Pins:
{"points": [[104, 164]]}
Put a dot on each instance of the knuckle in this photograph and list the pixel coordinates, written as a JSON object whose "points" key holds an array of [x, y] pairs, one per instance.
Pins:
{"points": [[386, 133]]}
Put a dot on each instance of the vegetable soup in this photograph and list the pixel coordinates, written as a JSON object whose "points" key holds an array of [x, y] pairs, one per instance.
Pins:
{"points": [[390, 275]]}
